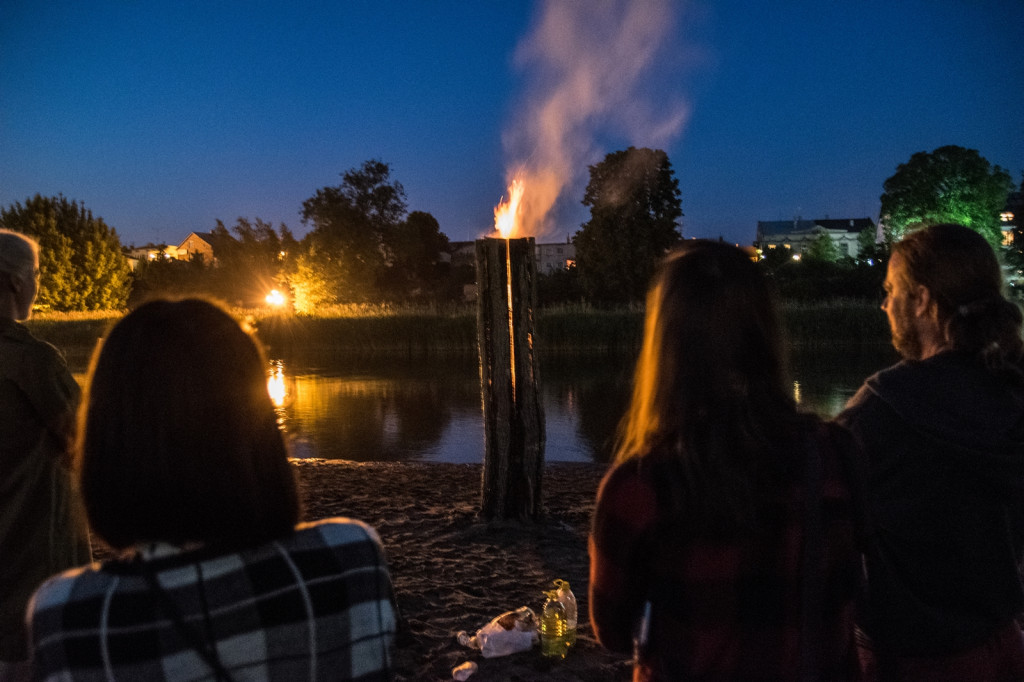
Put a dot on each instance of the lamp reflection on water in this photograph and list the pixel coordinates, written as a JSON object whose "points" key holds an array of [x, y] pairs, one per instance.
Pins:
{"points": [[277, 385], [282, 390]]}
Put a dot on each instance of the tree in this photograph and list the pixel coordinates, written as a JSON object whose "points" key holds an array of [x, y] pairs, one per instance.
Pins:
{"points": [[822, 248], [633, 197], [870, 251], [253, 261], [245, 269], [948, 185], [170, 277], [352, 227], [80, 260], [559, 287], [316, 280], [414, 249]]}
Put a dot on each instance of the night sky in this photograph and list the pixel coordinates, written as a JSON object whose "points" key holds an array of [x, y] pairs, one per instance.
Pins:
{"points": [[163, 117]]}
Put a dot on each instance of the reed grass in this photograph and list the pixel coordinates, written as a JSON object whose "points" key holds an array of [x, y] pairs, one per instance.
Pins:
{"points": [[564, 330], [76, 329], [403, 334], [421, 332], [582, 330], [837, 323]]}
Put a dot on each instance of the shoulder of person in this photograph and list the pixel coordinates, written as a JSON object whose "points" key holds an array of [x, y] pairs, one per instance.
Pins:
{"points": [[20, 336], [73, 584], [623, 473], [335, 531], [874, 388], [15, 335], [632, 484]]}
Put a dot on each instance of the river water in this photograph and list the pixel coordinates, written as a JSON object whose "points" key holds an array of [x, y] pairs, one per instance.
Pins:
{"points": [[429, 411]]}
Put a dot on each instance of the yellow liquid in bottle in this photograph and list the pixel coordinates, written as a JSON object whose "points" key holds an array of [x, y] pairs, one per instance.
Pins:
{"points": [[553, 630]]}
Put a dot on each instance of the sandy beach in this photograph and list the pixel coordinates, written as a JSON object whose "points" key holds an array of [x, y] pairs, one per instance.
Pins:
{"points": [[452, 573]]}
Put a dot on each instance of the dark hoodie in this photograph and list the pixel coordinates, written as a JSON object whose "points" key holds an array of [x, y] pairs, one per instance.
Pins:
{"points": [[943, 440]]}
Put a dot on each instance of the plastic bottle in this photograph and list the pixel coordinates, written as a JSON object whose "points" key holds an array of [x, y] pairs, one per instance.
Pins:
{"points": [[568, 600], [552, 627]]}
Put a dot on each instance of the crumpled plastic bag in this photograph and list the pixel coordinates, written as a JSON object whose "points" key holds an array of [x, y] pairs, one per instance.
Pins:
{"points": [[509, 633]]}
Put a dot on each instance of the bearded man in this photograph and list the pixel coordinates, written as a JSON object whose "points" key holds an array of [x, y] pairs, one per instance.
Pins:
{"points": [[942, 434]]}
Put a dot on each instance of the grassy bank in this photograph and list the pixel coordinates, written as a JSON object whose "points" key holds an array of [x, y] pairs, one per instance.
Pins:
{"points": [[416, 333], [838, 323], [822, 325]]}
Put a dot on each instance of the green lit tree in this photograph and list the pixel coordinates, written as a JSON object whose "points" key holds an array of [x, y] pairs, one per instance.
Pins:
{"points": [[80, 260], [316, 280], [949, 185], [633, 197]]}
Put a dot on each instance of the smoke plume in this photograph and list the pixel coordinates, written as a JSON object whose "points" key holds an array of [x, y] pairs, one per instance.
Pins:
{"points": [[589, 68]]}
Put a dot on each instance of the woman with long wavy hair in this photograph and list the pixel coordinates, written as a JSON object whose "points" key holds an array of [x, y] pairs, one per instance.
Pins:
{"points": [[724, 542]]}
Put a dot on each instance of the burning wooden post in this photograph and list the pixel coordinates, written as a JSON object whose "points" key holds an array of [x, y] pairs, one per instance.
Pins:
{"points": [[506, 274]]}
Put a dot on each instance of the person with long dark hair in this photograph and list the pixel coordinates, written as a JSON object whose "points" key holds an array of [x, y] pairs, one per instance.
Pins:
{"points": [[184, 471], [943, 436], [724, 538]]}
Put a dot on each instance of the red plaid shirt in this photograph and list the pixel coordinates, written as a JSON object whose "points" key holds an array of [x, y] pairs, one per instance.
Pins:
{"points": [[723, 609]]}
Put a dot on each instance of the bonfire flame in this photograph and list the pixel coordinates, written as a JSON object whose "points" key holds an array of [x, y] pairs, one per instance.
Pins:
{"points": [[507, 214], [507, 219]]}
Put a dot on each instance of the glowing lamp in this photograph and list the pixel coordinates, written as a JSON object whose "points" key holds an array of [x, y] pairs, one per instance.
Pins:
{"points": [[275, 298]]}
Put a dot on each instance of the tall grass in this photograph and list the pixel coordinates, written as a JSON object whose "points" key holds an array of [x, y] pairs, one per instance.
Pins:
{"points": [[407, 334], [839, 323], [576, 330], [583, 330], [419, 332], [72, 329]]}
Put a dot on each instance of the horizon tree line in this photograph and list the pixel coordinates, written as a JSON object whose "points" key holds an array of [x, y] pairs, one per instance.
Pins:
{"points": [[365, 246]]}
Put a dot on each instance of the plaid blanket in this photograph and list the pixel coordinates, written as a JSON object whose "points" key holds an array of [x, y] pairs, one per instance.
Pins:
{"points": [[317, 605]]}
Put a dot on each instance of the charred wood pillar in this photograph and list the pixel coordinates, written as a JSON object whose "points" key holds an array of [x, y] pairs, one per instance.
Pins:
{"points": [[506, 274]]}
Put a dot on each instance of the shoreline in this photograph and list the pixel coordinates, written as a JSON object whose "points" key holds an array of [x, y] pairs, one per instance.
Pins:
{"points": [[452, 572], [833, 324]]}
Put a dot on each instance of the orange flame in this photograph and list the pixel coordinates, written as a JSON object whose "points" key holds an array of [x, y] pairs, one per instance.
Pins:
{"points": [[507, 214]]}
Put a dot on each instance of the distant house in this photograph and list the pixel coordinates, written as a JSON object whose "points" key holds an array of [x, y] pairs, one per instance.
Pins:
{"points": [[149, 252], [550, 257], [460, 253], [202, 244], [1012, 216], [797, 235]]}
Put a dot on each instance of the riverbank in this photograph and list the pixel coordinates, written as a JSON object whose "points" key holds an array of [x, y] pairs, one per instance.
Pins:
{"points": [[453, 573], [414, 333]]}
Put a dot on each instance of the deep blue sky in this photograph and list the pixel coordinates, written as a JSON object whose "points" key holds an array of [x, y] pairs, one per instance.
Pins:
{"points": [[164, 116]]}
